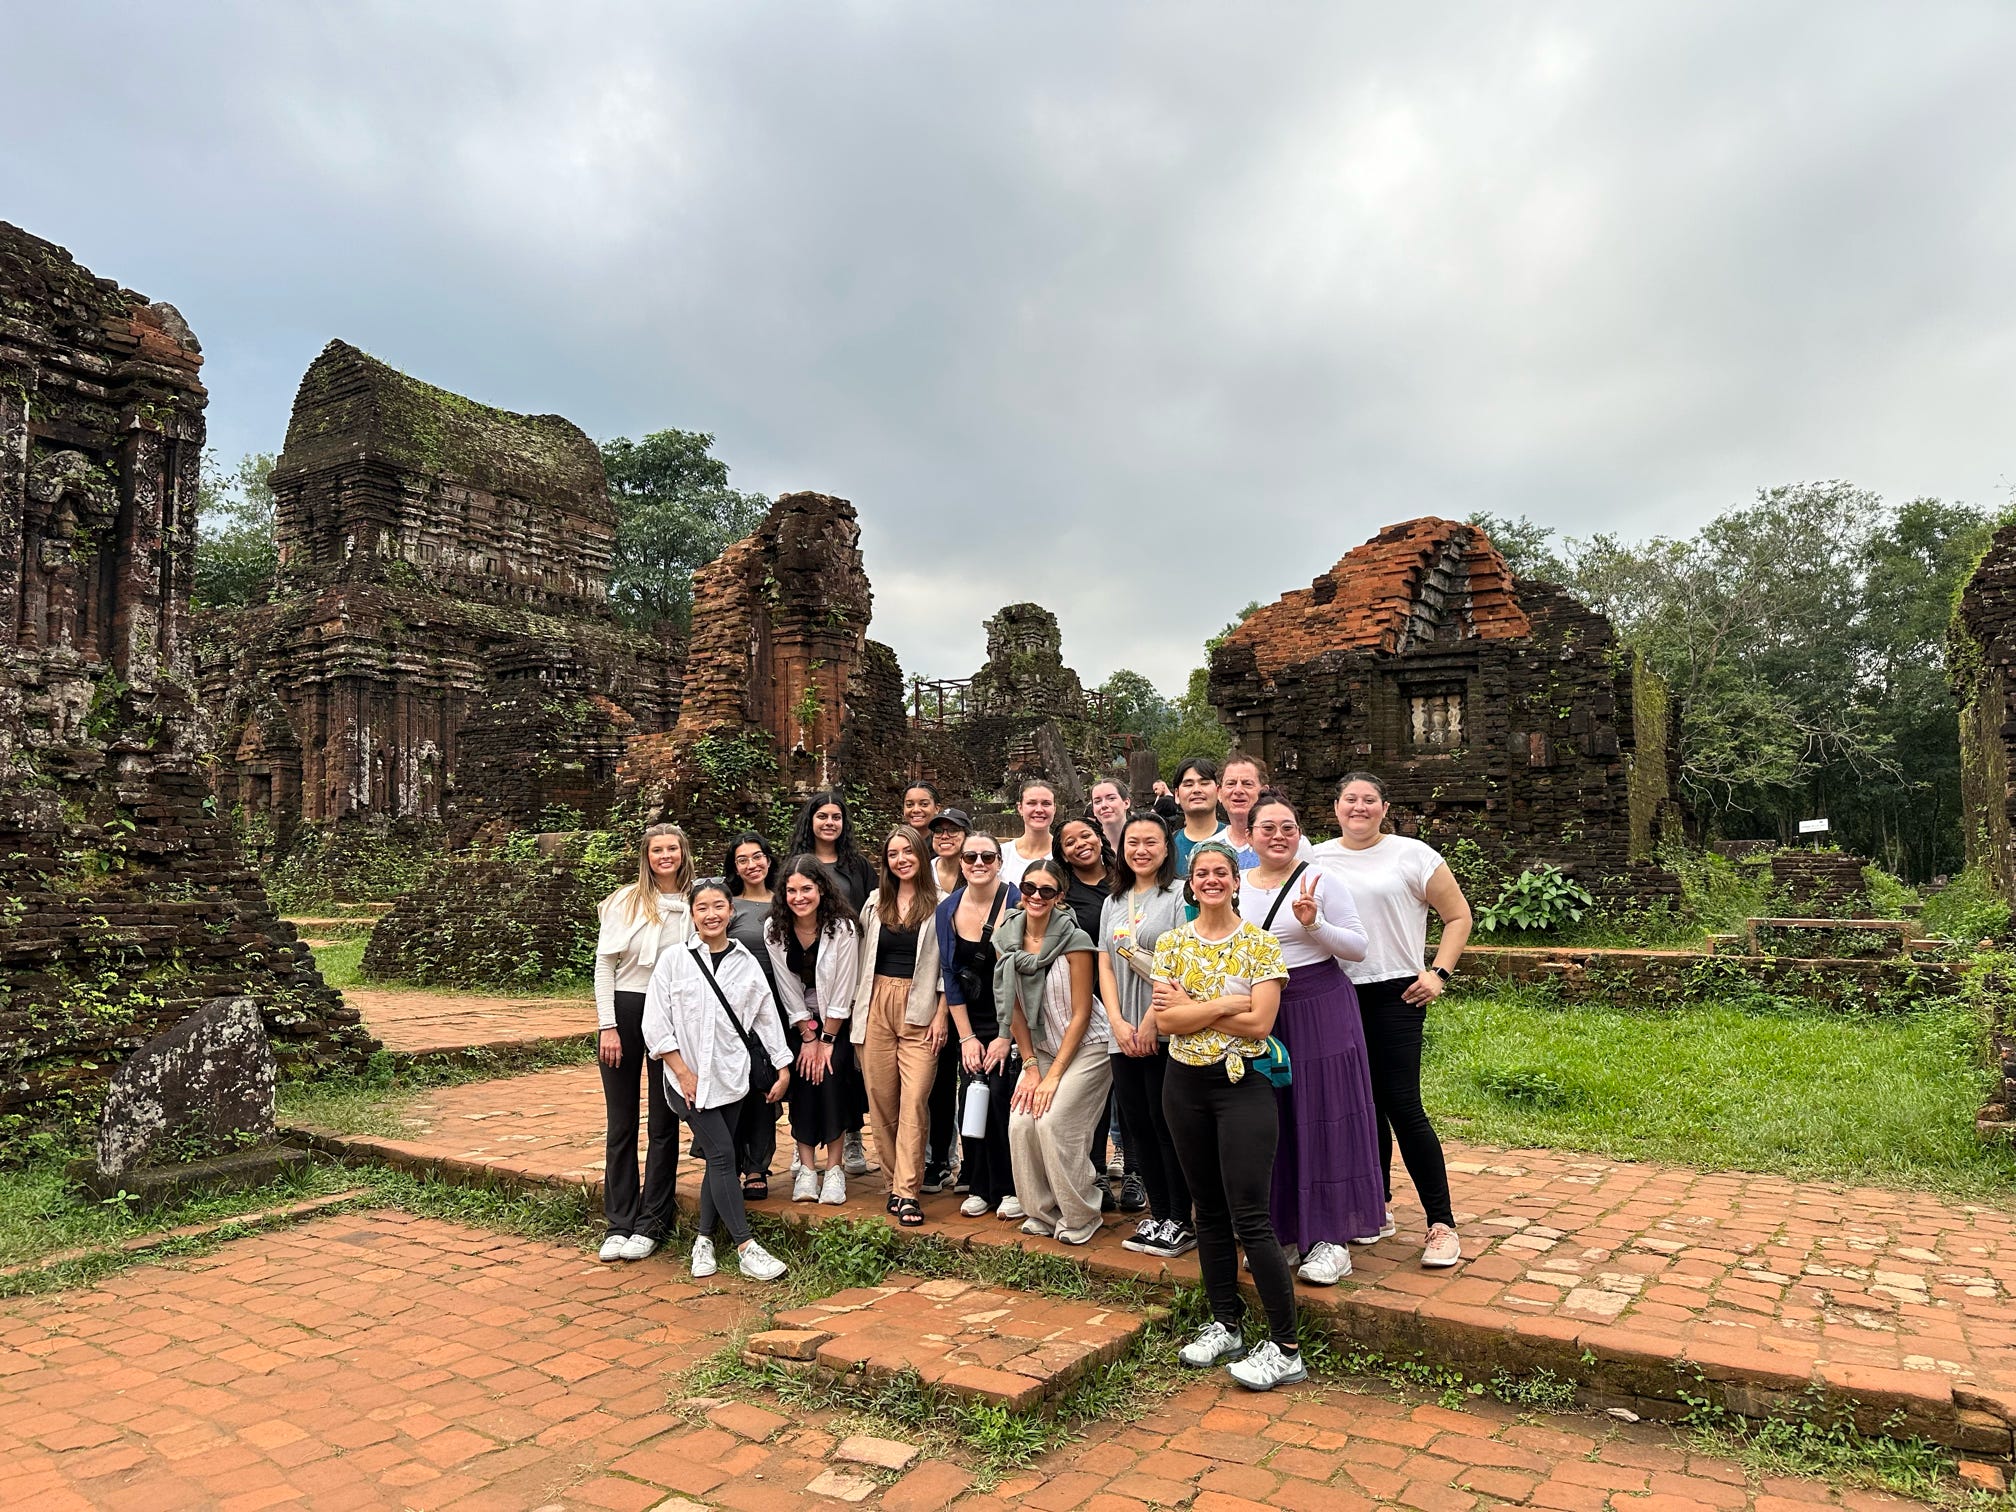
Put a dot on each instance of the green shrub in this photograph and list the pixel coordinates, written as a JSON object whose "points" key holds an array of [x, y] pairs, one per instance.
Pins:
{"points": [[1966, 909], [1538, 899]]}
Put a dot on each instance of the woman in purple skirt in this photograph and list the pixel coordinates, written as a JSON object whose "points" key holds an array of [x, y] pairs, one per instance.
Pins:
{"points": [[1327, 1185]]}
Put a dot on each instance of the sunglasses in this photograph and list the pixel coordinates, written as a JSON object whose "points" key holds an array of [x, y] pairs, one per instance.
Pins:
{"points": [[980, 858], [1042, 892]]}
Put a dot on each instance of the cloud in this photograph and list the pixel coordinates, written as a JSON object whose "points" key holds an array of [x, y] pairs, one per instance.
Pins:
{"points": [[1138, 311]]}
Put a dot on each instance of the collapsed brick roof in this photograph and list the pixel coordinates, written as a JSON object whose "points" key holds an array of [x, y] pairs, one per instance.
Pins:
{"points": [[1419, 581], [351, 405]]}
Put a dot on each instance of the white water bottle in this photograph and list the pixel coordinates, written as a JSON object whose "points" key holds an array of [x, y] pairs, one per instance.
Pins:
{"points": [[974, 1124]]}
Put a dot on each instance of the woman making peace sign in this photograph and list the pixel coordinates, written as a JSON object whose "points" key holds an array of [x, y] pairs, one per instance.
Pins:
{"points": [[1327, 1182]]}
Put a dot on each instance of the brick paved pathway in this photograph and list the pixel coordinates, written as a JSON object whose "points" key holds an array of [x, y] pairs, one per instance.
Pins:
{"points": [[377, 1360], [428, 1023], [1899, 1299]]}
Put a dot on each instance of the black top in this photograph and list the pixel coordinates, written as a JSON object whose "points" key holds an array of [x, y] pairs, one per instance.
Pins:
{"points": [[856, 879], [802, 959], [1087, 900], [717, 954], [896, 952], [975, 958]]}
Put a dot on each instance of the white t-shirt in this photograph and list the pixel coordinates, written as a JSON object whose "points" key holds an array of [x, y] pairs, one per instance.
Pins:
{"points": [[1389, 883], [1014, 863]]}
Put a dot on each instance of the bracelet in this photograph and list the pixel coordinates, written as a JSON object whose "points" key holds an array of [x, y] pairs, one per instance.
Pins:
{"points": [[969, 1039]]}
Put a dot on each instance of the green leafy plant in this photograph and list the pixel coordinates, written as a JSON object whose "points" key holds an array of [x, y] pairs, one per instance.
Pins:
{"points": [[1538, 899]]}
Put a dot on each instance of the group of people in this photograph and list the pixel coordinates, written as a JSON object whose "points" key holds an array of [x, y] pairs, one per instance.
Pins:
{"points": [[1239, 1009]]}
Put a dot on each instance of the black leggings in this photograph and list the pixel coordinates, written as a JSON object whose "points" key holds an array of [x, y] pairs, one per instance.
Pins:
{"points": [[1225, 1135], [944, 1107], [1393, 1029], [1137, 1083], [624, 1209], [721, 1188]]}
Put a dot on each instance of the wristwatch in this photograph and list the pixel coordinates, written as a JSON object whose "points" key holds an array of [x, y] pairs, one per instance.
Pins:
{"points": [[1440, 971], [825, 1038]]}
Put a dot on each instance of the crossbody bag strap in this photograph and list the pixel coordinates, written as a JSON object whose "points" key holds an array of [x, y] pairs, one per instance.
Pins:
{"points": [[1282, 896]]}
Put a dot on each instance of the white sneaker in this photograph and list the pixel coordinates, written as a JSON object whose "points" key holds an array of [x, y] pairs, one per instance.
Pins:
{"points": [[1079, 1235], [1444, 1248], [1010, 1209], [833, 1190], [612, 1248], [1266, 1367], [638, 1246], [975, 1207], [1327, 1264], [1037, 1228], [1214, 1345], [704, 1264], [853, 1159], [758, 1264], [1386, 1231], [804, 1185]]}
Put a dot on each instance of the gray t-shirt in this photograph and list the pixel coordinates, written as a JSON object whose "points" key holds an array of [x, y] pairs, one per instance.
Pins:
{"points": [[1139, 918]]}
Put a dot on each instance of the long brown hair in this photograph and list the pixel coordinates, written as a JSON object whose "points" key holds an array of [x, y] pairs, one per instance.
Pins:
{"points": [[924, 900], [682, 880]]}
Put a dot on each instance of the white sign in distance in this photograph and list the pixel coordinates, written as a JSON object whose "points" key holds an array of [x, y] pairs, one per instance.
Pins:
{"points": [[1812, 826]]}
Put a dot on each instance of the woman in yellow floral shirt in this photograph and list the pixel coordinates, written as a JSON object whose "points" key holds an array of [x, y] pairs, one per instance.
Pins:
{"points": [[1217, 988]]}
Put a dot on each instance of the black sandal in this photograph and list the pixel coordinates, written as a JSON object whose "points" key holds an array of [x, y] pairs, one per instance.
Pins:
{"points": [[755, 1188], [893, 1203], [908, 1212]]}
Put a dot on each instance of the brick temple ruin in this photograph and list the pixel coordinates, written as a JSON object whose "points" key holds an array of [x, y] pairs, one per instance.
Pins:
{"points": [[1497, 710], [441, 653], [1981, 664], [124, 904], [783, 691]]}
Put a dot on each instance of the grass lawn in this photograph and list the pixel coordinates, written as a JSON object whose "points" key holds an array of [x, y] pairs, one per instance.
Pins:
{"points": [[340, 960], [1887, 1101]]}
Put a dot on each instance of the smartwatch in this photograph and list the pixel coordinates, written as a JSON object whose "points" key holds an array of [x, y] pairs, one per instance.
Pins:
{"points": [[825, 1038], [1440, 971]]}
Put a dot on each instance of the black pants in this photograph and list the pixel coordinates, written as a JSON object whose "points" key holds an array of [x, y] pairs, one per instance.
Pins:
{"points": [[625, 1211], [944, 1107], [1137, 1084], [1393, 1051], [1225, 1136], [721, 1188]]}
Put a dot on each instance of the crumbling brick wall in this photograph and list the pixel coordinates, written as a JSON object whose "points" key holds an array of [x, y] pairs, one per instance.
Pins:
{"points": [[124, 903], [1980, 652], [783, 691], [1496, 711], [442, 652], [1024, 686]]}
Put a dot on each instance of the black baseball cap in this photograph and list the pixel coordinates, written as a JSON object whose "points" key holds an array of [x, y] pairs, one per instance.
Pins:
{"points": [[953, 818]]}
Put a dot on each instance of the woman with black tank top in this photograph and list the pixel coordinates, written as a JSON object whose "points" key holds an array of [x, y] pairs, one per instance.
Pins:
{"points": [[987, 1057], [899, 1023]]}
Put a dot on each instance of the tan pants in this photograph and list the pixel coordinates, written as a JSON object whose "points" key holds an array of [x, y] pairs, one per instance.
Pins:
{"points": [[1051, 1155], [898, 1064]]}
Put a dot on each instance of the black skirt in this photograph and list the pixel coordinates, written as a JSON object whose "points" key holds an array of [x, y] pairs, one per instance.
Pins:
{"points": [[821, 1114]]}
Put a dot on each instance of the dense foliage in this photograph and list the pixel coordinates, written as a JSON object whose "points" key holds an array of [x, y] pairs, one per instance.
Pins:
{"points": [[1802, 638], [236, 558], [674, 512]]}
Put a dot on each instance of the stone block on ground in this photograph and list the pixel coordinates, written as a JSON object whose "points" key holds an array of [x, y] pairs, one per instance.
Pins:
{"points": [[202, 1089], [1014, 1349]]}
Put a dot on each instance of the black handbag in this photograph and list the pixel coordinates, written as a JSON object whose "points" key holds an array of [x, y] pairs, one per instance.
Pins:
{"points": [[974, 981], [762, 1075]]}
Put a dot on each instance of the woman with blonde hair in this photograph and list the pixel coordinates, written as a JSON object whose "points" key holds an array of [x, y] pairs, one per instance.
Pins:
{"points": [[638, 921], [898, 1022]]}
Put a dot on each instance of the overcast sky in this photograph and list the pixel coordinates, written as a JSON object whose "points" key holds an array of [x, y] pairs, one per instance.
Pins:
{"points": [[1141, 310]]}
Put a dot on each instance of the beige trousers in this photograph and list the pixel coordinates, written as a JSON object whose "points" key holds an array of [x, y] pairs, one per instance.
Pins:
{"points": [[1051, 1155], [898, 1065]]}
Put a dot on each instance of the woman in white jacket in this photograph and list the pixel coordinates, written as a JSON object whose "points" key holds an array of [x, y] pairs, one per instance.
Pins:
{"points": [[815, 955], [639, 921], [708, 1016]]}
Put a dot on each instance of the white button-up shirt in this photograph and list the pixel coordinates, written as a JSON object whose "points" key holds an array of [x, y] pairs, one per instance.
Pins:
{"points": [[681, 1013]]}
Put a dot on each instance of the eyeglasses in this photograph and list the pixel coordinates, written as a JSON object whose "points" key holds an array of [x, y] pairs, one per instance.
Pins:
{"points": [[1273, 830], [1041, 892], [980, 858]]}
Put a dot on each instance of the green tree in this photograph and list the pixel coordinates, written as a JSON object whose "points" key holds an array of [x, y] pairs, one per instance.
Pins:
{"points": [[1524, 543], [236, 557], [1800, 637], [674, 512], [1134, 706]]}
